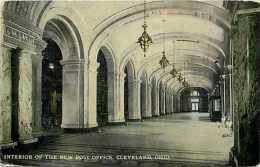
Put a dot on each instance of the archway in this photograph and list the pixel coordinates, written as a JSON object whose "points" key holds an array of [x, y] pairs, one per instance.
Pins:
{"points": [[102, 90], [126, 95], [128, 91], [143, 93], [51, 86], [154, 97], [161, 99], [194, 100], [62, 36]]}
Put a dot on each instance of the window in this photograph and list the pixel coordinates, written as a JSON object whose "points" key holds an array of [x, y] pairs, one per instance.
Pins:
{"points": [[194, 93], [195, 106]]}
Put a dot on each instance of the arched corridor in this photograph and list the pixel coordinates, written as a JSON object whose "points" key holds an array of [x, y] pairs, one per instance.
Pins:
{"points": [[126, 79]]}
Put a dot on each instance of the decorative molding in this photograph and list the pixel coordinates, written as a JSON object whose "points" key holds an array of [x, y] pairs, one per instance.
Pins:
{"points": [[19, 35], [22, 38]]}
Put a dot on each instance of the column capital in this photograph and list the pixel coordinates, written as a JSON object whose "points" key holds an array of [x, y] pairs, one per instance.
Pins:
{"points": [[26, 54]]}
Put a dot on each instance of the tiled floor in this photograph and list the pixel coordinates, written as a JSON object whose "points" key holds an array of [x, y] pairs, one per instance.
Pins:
{"points": [[185, 140]]}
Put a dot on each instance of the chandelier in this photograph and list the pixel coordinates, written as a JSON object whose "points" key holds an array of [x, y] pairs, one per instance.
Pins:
{"points": [[145, 39], [179, 77], [173, 72], [164, 61], [184, 82]]}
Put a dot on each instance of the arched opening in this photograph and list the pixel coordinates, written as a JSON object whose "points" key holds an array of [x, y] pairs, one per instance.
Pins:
{"points": [[143, 92], [128, 91], [126, 95], [102, 90], [61, 62], [161, 99], [51, 86], [194, 100], [153, 99]]}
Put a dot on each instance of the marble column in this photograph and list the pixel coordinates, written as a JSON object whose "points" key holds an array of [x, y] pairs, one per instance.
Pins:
{"points": [[90, 95], [117, 115], [222, 97], [134, 106], [143, 92], [25, 96], [155, 108], [166, 102], [5, 97], [162, 102], [148, 112], [157, 111], [171, 103], [37, 94], [73, 116]]}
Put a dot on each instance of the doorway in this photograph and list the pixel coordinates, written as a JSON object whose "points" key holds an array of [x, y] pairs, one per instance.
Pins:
{"points": [[102, 90], [51, 86]]}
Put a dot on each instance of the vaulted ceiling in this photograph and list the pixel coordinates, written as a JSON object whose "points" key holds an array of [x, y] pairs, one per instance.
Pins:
{"points": [[194, 32]]}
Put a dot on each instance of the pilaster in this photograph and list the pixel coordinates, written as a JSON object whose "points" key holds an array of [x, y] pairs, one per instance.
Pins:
{"points": [[134, 106], [148, 111], [117, 114], [155, 107], [162, 104], [157, 111], [90, 89], [73, 115]]}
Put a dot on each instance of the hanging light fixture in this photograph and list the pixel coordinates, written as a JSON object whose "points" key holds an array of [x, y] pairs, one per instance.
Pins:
{"points": [[145, 39], [173, 72], [184, 82], [179, 77], [164, 61]]}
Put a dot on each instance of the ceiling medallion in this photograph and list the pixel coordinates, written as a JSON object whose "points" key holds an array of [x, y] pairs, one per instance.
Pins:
{"points": [[145, 39]]}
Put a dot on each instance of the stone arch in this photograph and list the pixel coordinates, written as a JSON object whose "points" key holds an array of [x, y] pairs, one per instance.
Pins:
{"points": [[154, 99], [64, 33], [161, 98], [129, 73], [143, 94], [70, 19], [111, 68]]}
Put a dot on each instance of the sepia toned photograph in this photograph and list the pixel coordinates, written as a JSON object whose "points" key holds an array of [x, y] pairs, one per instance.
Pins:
{"points": [[129, 83]]}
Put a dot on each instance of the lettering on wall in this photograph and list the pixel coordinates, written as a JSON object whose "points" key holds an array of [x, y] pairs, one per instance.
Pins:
{"points": [[18, 35]]}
